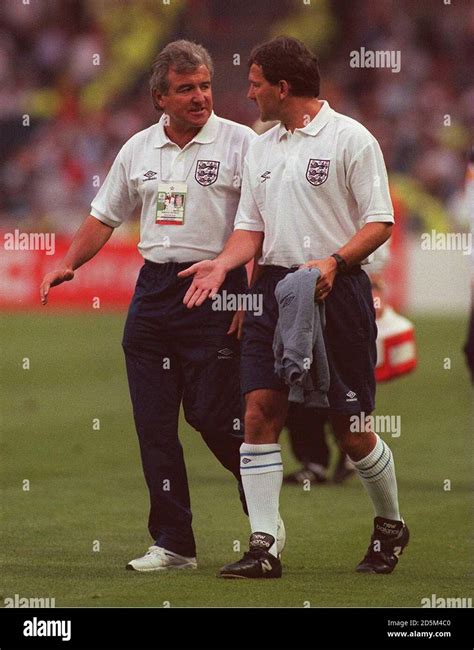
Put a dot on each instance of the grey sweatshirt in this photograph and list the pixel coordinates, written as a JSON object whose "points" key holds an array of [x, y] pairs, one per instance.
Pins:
{"points": [[298, 344]]}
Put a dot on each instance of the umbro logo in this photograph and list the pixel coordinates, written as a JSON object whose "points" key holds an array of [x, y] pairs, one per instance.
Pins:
{"points": [[351, 396], [225, 353], [287, 300], [246, 460], [265, 176], [149, 176]]}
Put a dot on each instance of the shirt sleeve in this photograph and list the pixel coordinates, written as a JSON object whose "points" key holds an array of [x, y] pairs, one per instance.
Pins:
{"points": [[367, 180], [248, 215], [241, 153], [117, 197], [250, 136]]}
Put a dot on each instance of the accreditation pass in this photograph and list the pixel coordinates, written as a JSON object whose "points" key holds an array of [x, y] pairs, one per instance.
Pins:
{"points": [[171, 204]]}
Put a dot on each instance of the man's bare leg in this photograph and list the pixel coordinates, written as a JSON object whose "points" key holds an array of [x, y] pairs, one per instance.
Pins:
{"points": [[374, 464]]}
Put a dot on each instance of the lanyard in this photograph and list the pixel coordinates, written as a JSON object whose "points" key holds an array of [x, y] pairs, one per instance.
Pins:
{"points": [[166, 180]]}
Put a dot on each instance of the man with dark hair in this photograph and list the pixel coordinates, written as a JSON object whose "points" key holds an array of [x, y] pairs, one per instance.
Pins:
{"points": [[284, 58], [185, 174], [314, 194]]}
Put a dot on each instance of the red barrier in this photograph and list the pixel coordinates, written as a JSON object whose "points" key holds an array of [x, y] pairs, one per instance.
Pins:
{"points": [[395, 272], [107, 281], [396, 346]]}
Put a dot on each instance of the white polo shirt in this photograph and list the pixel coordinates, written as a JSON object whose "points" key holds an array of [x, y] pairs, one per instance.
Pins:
{"points": [[310, 191], [211, 165]]}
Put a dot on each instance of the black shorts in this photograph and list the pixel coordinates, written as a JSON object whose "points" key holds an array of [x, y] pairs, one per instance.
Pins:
{"points": [[349, 337]]}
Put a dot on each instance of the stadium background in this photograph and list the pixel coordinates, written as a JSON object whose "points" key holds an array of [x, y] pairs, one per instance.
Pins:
{"points": [[74, 88]]}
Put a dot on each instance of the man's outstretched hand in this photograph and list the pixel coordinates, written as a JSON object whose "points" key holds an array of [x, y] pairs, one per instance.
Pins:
{"points": [[52, 279], [208, 277]]}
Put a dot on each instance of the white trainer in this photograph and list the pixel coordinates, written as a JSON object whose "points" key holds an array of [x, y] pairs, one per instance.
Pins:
{"points": [[160, 559], [281, 536]]}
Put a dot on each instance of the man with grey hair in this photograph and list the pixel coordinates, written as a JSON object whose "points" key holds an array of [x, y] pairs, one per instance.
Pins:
{"points": [[185, 174]]}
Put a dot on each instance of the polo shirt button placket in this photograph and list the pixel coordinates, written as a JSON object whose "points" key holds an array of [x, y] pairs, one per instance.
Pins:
{"points": [[178, 167], [288, 174]]}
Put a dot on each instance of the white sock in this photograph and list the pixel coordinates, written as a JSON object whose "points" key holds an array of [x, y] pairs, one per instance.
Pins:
{"points": [[261, 469], [377, 473]]}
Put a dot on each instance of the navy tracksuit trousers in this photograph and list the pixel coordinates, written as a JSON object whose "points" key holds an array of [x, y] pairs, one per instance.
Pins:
{"points": [[175, 354]]}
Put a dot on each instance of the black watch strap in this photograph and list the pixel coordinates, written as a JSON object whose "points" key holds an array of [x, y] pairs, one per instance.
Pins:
{"points": [[341, 263]]}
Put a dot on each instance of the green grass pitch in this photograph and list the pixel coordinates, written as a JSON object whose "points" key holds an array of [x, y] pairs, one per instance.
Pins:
{"points": [[86, 485]]}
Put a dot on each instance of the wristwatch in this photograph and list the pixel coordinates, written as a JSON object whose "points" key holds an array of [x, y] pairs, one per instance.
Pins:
{"points": [[341, 263]]}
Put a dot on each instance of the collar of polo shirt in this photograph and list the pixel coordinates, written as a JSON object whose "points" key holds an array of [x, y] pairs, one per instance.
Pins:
{"points": [[316, 124], [205, 136]]}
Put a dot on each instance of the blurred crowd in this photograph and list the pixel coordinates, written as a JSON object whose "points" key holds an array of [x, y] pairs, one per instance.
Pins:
{"points": [[64, 117]]}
